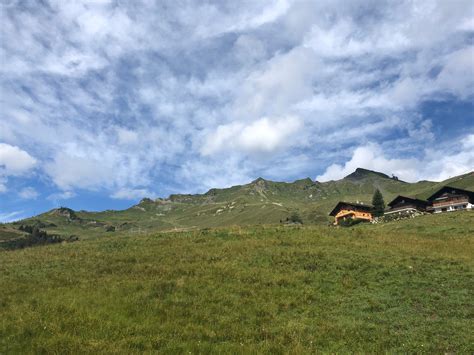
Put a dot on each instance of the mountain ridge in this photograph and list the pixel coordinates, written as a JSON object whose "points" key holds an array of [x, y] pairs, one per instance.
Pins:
{"points": [[358, 174], [259, 202]]}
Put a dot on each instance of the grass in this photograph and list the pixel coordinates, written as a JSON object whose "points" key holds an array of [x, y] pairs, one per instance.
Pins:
{"points": [[261, 201], [400, 287]]}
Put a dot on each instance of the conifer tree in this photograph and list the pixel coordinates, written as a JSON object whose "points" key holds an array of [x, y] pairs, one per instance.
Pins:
{"points": [[378, 203]]}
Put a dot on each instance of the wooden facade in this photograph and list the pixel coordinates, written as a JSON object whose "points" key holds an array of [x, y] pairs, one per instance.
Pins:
{"points": [[406, 205], [347, 210], [449, 199]]}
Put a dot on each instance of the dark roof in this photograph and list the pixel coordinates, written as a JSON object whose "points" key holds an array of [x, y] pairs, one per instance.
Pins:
{"points": [[407, 199], [451, 190], [356, 206]]}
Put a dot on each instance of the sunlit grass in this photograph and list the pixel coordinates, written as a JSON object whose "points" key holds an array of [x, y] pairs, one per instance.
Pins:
{"points": [[402, 287]]}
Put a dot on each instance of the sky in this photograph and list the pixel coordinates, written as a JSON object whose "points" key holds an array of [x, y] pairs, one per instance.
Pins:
{"points": [[104, 102]]}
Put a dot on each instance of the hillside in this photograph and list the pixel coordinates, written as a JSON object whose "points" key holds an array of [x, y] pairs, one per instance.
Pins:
{"points": [[400, 287], [259, 202]]}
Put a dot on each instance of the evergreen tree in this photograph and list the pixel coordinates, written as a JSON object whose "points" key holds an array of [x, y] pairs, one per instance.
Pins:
{"points": [[378, 203]]}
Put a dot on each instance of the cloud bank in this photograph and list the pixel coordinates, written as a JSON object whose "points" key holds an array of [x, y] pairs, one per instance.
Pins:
{"points": [[435, 165], [126, 99]]}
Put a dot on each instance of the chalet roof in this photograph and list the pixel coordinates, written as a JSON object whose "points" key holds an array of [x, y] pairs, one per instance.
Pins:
{"points": [[356, 206], [414, 200], [453, 191]]}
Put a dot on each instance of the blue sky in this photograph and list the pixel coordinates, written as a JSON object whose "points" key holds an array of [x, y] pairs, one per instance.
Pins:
{"points": [[106, 102]]}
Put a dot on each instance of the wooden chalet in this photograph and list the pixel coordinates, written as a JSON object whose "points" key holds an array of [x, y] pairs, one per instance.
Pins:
{"points": [[347, 210], [406, 205], [449, 199]]}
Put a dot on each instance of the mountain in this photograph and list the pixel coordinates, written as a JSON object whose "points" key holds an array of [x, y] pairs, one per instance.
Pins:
{"points": [[259, 202], [361, 174]]}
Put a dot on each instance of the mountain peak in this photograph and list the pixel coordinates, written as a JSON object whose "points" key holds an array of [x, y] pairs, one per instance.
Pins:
{"points": [[361, 173], [145, 200], [64, 212], [258, 180], [304, 182]]}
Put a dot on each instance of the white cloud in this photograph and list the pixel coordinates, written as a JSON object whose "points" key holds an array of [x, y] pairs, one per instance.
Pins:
{"points": [[64, 195], [343, 40], [468, 142], [79, 171], [126, 136], [371, 157], [265, 135], [14, 161], [132, 194], [434, 165], [117, 96], [457, 75], [248, 49], [201, 175], [211, 20], [102, 166], [440, 165], [11, 216], [3, 185], [285, 80], [28, 193]]}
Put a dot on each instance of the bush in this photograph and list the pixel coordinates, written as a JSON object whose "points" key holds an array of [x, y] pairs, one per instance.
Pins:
{"points": [[110, 229], [295, 218], [350, 222], [36, 236]]}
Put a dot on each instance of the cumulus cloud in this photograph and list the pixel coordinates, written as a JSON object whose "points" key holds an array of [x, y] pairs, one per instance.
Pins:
{"points": [[371, 157], [76, 171], [14, 160], [440, 165], [265, 135], [127, 96], [434, 165]]}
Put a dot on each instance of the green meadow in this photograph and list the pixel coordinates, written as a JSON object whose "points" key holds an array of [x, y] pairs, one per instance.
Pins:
{"points": [[261, 201], [401, 287]]}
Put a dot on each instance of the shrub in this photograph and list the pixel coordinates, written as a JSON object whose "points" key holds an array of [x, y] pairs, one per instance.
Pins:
{"points": [[349, 222], [295, 218]]}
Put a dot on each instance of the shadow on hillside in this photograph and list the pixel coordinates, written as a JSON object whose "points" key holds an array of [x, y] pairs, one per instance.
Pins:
{"points": [[34, 237]]}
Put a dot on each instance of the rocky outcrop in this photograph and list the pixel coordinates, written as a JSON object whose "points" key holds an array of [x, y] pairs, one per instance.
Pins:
{"points": [[65, 212]]}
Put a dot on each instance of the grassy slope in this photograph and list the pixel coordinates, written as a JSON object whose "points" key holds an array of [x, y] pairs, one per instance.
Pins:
{"points": [[8, 233], [260, 202], [403, 287]]}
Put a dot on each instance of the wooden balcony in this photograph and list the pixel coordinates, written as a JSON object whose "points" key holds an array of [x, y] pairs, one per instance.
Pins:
{"points": [[450, 202]]}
